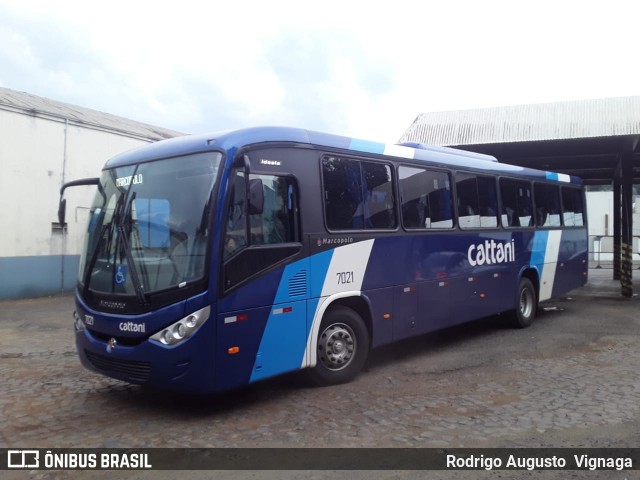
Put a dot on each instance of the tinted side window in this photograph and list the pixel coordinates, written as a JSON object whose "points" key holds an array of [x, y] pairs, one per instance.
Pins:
{"points": [[547, 205], [379, 204], [517, 206], [572, 207], [358, 195], [426, 198], [488, 202], [342, 193], [477, 201]]}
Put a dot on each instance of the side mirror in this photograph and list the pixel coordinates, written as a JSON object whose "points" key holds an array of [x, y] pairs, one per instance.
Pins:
{"points": [[62, 206], [256, 197], [62, 211]]}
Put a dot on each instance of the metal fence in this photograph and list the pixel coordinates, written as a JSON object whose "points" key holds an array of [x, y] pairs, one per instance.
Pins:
{"points": [[601, 251]]}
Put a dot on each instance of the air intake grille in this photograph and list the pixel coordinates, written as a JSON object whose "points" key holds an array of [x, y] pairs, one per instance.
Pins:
{"points": [[298, 284], [139, 371]]}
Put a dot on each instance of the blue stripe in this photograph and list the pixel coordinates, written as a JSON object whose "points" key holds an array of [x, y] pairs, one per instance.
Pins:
{"points": [[285, 336], [538, 250], [38, 275], [366, 146]]}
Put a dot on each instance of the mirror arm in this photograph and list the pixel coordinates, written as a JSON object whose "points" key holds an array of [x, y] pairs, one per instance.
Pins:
{"points": [[62, 204]]}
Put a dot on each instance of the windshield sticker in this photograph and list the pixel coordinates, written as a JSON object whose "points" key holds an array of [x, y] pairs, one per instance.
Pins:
{"points": [[126, 181], [121, 274]]}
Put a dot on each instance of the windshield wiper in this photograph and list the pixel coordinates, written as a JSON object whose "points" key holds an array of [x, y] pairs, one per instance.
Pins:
{"points": [[123, 241], [107, 227]]}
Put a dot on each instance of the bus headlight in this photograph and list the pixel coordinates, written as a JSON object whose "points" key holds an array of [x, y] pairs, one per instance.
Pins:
{"points": [[78, 324], [183, 328]]}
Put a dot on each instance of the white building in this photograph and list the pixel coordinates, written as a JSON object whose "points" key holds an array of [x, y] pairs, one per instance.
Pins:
{"points": [[44, 143], [600, 218]]}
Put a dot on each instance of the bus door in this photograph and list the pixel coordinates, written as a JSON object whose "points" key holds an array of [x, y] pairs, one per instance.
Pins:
{"points": [[262, 320]]}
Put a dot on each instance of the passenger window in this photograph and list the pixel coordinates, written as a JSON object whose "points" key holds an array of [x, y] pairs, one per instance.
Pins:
{"points": [[358, 195], [426, 198], [477, 201], [379, 205], [342, 193], [548, 209], [572, 207], [517, 205]]}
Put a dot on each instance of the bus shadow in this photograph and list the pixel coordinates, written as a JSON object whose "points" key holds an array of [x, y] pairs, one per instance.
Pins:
{"points": [[449, 338], [271, 390], [190, 406], [434, 342]]}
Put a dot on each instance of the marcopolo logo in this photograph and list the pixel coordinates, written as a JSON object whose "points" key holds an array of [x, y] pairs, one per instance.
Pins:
{"points": [[132, 327], [491, 252]]}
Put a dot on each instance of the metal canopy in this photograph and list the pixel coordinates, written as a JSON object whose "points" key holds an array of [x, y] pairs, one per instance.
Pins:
{"points": [[585, 138], [595, 160]]}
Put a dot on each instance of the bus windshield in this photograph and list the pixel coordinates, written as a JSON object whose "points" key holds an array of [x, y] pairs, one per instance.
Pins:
{"points": [[148, 226]]}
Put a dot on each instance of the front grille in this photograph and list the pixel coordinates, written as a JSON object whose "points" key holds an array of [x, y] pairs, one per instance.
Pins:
{"points": [[125, 341], [135, 370]]}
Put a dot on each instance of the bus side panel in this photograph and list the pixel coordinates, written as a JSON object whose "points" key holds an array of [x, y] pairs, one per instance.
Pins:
{"points": [[405, 311], [241, 322], [434, 305], [257, 343], [381, 304], [492, 286], [238, 341], [573, 260], [284, 340]]}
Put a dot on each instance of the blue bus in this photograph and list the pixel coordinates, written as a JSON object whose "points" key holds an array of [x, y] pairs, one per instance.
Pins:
{"points": [[214, 261]]}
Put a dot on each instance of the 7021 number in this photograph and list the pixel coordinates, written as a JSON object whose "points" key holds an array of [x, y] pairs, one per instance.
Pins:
{"points": [[344, 277]]}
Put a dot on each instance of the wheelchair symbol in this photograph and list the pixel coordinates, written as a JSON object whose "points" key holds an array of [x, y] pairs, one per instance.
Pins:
{"points": [[121, 274]]}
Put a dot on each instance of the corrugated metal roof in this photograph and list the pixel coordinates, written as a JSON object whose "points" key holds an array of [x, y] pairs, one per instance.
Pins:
{"points": [[547, 121], [39, 106]]}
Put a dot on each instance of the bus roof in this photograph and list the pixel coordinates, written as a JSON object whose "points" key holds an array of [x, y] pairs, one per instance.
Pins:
{"points": [[237, 139]]}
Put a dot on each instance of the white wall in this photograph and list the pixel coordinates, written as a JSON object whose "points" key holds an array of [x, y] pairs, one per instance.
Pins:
{"points": [[36, 155], [600, 213]]}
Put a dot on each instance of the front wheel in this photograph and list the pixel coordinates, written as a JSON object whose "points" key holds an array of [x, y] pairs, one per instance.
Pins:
{"points": [[526, 304], [343, 347]]}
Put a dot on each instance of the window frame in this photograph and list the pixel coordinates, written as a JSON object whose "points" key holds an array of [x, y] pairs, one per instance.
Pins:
{"points": [[449, 174], [256, 252], [502, 203], [580, 192], [362, 183], [559, 204], [491, 177]]}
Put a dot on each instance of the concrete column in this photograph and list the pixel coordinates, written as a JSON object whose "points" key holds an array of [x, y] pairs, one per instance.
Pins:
{"points": [[626, 267], [617, 187]]}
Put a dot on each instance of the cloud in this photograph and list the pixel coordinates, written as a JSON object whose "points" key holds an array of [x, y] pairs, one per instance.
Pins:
{"points": [[337, 66]]}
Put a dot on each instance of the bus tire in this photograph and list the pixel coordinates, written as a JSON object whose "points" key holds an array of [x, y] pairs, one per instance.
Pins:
{"points": [[526, 304], [342, 349]]}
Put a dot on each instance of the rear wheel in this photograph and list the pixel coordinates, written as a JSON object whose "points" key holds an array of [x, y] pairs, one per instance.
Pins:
{"points": [[526, 304], [343, 347]]}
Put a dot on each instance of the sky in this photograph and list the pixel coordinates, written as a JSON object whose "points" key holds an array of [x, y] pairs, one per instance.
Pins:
{"points": [[354, 68]]}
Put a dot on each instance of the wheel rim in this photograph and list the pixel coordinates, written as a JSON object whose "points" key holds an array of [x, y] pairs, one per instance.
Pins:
{"points": [[526, 303], [337, 346]]}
